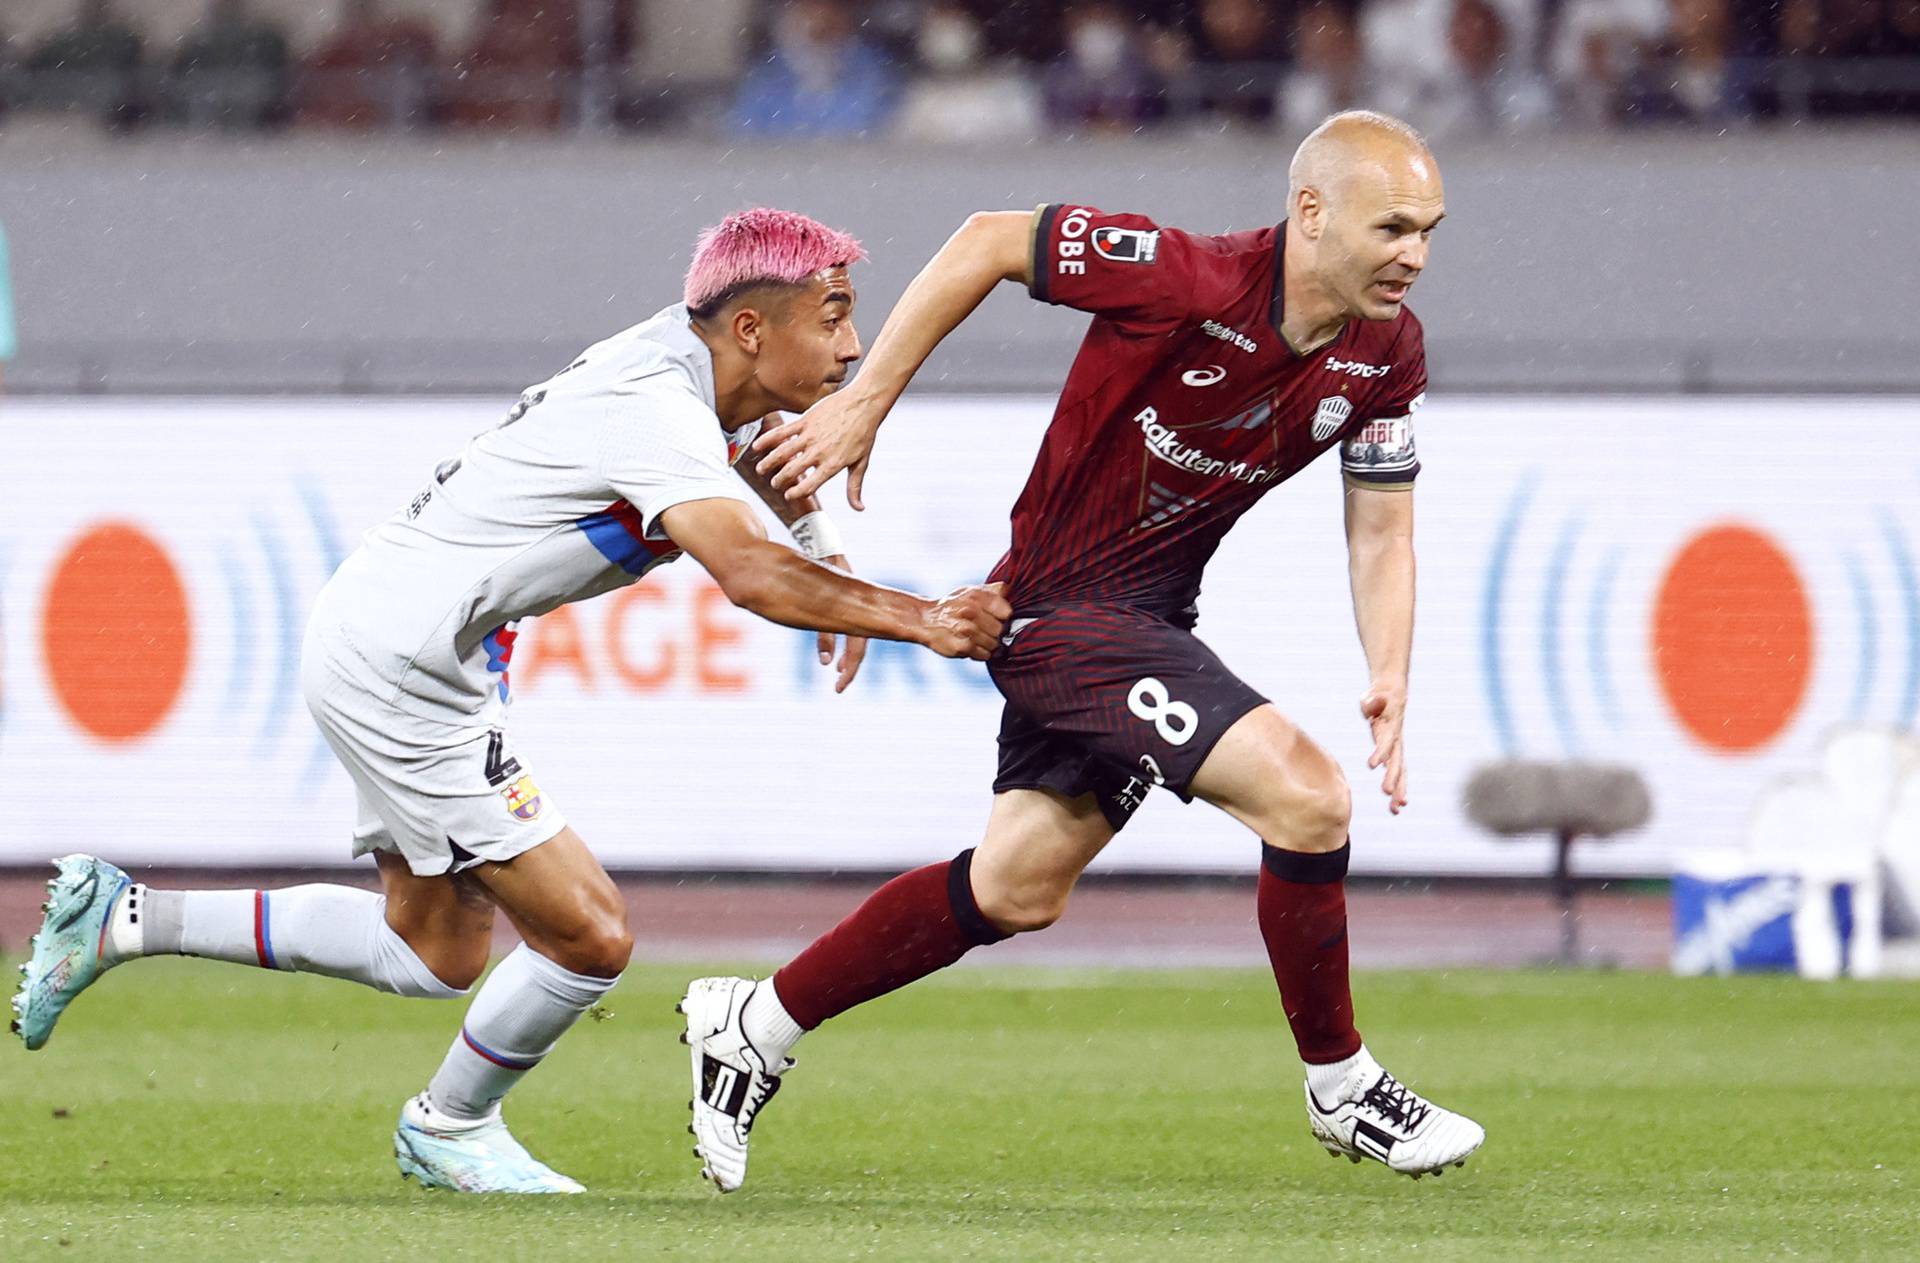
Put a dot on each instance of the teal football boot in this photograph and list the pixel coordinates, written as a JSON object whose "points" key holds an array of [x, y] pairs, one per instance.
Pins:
{"points": [[66, 953], [469, 1157]]}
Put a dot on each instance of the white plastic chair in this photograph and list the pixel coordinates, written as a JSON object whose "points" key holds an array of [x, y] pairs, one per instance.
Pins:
{"points": [[1900, 850], [1801, 826], [1867, 764]]}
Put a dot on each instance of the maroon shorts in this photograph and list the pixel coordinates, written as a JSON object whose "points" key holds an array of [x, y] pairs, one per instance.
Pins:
{"points": [[1111, 701]]}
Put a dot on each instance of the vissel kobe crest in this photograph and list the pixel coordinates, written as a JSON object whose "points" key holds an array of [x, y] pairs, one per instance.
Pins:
{"points": [[1330, 416]]}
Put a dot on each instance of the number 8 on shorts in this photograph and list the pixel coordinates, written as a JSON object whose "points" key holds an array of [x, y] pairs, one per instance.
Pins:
{"points": [[1176, 722]]}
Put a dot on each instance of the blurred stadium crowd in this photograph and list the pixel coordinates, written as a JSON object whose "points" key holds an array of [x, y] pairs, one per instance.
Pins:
{"points": [[952, 70]]}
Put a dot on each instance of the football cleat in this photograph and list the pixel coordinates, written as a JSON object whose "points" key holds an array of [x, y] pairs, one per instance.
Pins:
{"points": [[1378, 1117], [65, 955], [732, 1080], [481, 1157]]}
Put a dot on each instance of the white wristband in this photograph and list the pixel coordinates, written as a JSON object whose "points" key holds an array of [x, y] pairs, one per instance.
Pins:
{"points": [[817, 536]]}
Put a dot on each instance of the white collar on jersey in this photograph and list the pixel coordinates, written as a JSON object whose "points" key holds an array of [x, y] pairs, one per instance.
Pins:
{"points": [[675, 333]]}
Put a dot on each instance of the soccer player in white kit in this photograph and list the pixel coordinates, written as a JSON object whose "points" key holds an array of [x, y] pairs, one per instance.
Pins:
{"points": [[619, 463]]}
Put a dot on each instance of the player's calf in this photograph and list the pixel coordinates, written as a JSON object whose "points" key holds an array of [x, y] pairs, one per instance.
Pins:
{"points": [[740, 1032], [1037, 845], [521, 1012]]}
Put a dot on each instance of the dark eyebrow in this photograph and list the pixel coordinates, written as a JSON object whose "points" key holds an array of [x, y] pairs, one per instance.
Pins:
{"points": [[1402, 217], [839, 296]]}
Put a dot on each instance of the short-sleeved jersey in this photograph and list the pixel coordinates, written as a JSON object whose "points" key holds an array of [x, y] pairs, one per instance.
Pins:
{"points": [[1184, 406], [559, 502]]}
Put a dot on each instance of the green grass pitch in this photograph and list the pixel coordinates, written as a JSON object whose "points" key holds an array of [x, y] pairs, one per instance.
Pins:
{"points": [[195, 1111]]}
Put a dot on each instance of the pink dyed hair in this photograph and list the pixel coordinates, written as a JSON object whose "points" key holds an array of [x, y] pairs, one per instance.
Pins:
{"points": [[762, 246]]}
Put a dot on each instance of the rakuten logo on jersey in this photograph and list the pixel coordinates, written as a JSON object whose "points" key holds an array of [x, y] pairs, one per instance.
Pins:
{"points": [[1214, 329], [1354, 368], [1171, 448]]}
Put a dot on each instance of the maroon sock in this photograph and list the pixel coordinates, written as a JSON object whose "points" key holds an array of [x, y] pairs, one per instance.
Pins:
{"points": [[917, 923], [1303, 918]]}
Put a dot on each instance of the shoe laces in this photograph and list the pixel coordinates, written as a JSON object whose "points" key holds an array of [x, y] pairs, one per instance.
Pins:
{"points": [[1394, 1101], [760, 1090]]}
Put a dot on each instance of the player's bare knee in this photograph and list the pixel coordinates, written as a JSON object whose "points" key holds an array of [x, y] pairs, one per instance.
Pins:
{"points": [[459, 973], [1323, 815], [1023, 918], [456, 959], [453, 946], [1022, 911], [600, 949], [460, 961]]}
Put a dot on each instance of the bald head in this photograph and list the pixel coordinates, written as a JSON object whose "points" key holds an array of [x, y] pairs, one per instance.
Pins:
{"points": [[1352, 143], [1364, 199]]}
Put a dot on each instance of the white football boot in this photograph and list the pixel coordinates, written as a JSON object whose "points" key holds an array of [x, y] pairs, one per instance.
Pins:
{"points": [[469, 1157], [732, 1079], [1378, 1117]]}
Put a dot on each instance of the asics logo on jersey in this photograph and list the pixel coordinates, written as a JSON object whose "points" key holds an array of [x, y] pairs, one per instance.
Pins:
{"points": [[1211, 375], [1354, 368], [1214, 329]]}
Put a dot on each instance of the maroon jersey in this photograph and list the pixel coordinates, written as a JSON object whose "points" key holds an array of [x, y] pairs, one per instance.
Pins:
{"points": [[1185, 406]]}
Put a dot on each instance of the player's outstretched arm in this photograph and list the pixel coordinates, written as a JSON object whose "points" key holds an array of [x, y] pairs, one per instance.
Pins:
{"points": [[1381, 569], [837, 433], [814, 531], [783, 587]]}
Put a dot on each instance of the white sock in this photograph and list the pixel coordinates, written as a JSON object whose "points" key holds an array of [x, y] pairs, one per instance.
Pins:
{"points": [[1330, 1083], [337, 931], [768, 1025], [523, 1009], [126, 927]]}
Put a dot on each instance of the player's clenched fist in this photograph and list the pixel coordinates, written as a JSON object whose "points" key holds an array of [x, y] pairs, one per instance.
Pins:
{"points": [[966, 623]]}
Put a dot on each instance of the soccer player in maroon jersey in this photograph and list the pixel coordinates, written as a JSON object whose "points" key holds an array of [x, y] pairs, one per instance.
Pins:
{"points": [[1215, 368]]}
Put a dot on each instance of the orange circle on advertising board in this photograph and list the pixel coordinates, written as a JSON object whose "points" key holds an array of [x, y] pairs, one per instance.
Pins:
{"points": [[115, 632], [1733, 638]]}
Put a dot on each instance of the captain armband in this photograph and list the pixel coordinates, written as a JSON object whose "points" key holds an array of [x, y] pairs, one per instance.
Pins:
{"points": [[1382, 452]]}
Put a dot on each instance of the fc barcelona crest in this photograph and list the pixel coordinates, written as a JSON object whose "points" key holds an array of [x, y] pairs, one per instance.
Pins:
{"points": [[1330, 416], [523, 799]]}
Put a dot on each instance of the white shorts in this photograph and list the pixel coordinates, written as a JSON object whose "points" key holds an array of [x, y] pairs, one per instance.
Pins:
{"points": [[442, 793]]}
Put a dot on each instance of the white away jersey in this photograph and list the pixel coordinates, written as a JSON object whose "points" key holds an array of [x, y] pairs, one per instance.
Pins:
{"points": [[559, 502]]}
